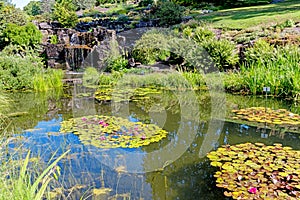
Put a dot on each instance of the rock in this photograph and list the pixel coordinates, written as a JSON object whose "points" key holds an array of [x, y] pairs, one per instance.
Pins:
{"points": [[44, 26]]}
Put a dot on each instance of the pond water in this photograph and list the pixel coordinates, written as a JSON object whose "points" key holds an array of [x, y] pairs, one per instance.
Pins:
{"points": [[174, 168]]}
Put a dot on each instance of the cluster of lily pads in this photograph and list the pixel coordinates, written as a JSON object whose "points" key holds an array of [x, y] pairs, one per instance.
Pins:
{"points": [[126, 94], [112, 132], [267, 115], [257, 171]]}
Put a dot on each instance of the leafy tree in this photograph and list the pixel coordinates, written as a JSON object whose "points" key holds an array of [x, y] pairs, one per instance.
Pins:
{"points": [[47, 8], [33, 8], [64, 12], [10, 14], [27, 35], [84, 4]]}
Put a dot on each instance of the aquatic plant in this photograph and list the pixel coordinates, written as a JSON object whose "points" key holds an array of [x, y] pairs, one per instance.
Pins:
{"points": [[48, 79], [257, 171], [268, 115], [112, 132], [126, 94]]}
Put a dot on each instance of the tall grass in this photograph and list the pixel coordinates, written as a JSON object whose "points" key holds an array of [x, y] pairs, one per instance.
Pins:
{"points": [[176, 80], [4, 104], [275, 67], [16, 180], [47, 80]]}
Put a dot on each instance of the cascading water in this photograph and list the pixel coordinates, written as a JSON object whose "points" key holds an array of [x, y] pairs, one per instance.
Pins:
{"points": [[76, 51]]}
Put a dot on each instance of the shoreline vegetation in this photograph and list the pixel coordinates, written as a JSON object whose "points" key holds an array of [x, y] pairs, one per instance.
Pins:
{"points": [[250, 47]]}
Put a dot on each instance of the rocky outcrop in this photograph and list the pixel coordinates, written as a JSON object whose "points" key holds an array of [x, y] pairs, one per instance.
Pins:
{"points": [[67, 48]]}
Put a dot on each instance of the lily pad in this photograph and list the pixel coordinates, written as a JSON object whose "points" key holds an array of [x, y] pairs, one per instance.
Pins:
{"points": [[258, 171], [113, 132]]}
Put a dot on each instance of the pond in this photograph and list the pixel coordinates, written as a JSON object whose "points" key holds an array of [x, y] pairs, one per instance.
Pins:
{"points": [[173, 168]]}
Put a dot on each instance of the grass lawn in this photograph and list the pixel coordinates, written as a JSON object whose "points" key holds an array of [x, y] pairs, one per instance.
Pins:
{"points": [[242, 18]]}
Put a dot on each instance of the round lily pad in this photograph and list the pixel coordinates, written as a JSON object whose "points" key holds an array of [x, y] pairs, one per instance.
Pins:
{"points": [[113, 132], [257, 171], [267, 115]]}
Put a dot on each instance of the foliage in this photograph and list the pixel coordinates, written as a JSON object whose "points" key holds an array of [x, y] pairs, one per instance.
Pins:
{"points": [[268, 116], [116, 64], [33, 8], [90, 77], [27, 35], [16, 179], [64, 13], [84, 4], [169, 13], [108, 94], [222, 52], [274, 67], [151, 47], [113, 132], [47, 8], [201, 34], [10, 14], [144, 3], [257, 171], [47, 79], [17, 70], [53, 39]]}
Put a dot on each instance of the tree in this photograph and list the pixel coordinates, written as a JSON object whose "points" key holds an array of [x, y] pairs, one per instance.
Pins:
{"points": [[47, 8], [33, 8], [10, 14], [84, 4], [64, 12]]}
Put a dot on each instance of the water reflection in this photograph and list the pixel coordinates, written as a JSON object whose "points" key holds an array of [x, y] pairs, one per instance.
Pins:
{"points": [[126, 171]]}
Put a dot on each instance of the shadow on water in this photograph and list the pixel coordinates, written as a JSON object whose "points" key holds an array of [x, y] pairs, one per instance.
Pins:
{"points": [[87, 167]]}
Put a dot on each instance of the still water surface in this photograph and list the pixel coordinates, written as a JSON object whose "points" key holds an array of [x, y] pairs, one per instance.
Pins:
{"points": [[179, 171]]}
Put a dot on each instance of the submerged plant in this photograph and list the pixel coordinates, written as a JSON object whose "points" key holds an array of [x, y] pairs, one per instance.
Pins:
{"points": [[113, 132], [257, 171]]}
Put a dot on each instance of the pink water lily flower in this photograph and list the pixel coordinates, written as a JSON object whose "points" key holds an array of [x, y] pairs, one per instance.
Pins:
{"points": [[84, 119], [252, 190], [102, 138], [105, 124], [101, 122]]}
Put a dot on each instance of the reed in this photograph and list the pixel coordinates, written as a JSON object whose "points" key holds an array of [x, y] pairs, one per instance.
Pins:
{"points": [[280, 71], [16, 179], [47, 80]]}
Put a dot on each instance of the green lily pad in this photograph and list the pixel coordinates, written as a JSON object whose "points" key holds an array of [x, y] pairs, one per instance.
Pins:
{"points": [[257, 171], [112, 132]]}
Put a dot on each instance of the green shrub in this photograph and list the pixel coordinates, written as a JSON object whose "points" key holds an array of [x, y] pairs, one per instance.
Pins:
{"points": [[64, 13], [53, 39], [222, 52], [27, 35], [151, 47], [202, 33], [17, 70], [33, 8], [85, 19], [123, 18], [116, 63], [169, 13], [261, 51]]}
